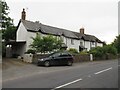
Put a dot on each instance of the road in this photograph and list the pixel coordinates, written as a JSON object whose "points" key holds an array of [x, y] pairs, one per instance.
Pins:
{"points": [[100, 74]]}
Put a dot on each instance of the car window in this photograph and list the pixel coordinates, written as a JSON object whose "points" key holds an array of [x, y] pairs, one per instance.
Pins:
{"points": [[64, 54], [56, 55]]}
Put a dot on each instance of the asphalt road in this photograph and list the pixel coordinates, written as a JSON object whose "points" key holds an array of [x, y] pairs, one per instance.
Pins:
{"points": [[101, 74]]}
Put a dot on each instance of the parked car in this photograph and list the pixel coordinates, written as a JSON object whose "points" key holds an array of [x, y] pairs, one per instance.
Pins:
{"points": [[58, 58]]}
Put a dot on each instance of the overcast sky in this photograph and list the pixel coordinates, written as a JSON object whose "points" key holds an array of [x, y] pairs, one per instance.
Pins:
{"points": [[98, 17]]}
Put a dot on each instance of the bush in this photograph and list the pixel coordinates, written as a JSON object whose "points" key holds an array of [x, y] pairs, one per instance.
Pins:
{"points": [[84, 52], [97, 51], [30, 51], [110, 49], [102, 51], [73, 51]]}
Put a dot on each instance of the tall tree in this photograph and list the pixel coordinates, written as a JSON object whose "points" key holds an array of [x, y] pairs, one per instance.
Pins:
{"points": [[7, 26], [5, 19]]}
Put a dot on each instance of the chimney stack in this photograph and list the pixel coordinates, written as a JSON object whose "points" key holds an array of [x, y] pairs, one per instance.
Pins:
{"points": [[23, 16], [82, 30]]}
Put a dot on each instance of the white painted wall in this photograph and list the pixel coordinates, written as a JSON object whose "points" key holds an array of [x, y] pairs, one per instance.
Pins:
{"points": [[29, 39], [93, 44], [100, 44], [87, 45], [75, 45], [21, 33]]}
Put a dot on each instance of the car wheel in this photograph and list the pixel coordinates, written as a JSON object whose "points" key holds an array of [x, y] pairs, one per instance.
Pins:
{"points": [[47, 63], [69, 63]]}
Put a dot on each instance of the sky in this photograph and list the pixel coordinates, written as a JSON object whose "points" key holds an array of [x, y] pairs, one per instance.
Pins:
{"points": [[98, 17]]}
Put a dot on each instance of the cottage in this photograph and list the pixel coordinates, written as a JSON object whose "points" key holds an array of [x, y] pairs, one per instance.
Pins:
{"points": [[27, 29]]}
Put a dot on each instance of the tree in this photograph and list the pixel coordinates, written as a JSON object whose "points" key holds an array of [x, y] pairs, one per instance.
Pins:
{"points": [[97, 51], [8, 28], [9, 33], [5, 19], [46, 43], [116, 43]]}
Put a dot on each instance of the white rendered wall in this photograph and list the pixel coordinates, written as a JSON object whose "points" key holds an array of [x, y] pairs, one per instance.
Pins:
{"points": [[75, 45], [21, 33], [29, 39], [87, 45], [100, 44]]}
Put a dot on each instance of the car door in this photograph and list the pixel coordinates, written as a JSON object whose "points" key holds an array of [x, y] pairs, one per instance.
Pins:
{"points": [[56, 59], [64, 58]]}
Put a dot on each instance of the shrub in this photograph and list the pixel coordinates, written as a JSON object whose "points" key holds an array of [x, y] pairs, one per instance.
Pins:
{"points": [[110, 49], [84, 52], [30, 51], [73, 51], [101, 51], [97, 51]]}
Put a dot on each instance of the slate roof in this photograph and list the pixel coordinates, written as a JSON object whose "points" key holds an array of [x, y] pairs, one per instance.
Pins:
{"points": [[46, 29]]}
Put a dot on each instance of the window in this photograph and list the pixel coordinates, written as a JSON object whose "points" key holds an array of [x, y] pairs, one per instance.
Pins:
{"points": [[93, 43], [72, 41], [81, 43], [56, 55]]}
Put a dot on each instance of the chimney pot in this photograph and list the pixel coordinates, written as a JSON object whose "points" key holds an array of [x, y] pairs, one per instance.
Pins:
{"points": [[23, 16], [82, 30]]}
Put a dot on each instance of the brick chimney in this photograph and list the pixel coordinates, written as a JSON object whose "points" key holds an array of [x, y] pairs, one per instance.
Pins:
{"points": [[82, 30], [23, 16]]}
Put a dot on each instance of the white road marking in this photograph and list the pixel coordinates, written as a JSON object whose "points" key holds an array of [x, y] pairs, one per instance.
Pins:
{"points": [[103, 70], [67, 84]]}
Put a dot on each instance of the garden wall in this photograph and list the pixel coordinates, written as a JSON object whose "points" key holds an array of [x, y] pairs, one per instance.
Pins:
{"points": [[77, 58]]}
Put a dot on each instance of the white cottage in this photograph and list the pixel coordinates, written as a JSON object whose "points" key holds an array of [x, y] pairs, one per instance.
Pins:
{"points": [[27, 29]]}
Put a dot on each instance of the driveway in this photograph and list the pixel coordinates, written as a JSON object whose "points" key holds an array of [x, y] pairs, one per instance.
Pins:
{"points": [[15, 68]]}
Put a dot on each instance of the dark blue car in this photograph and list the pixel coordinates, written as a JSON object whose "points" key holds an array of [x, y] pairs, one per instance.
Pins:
{"points": [[58, 58]]}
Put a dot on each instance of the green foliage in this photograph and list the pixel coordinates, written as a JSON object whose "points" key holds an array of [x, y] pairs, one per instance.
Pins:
{"points": [[100, 51], [30, 51], [97, 51], [73, 51], [8, 29], [83, 52], [110, 49], [9, 33], [6, 20], [116, 43], [46, 43]]}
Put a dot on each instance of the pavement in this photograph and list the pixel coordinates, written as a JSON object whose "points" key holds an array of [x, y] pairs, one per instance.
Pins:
{"points": [[97, 74]]}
